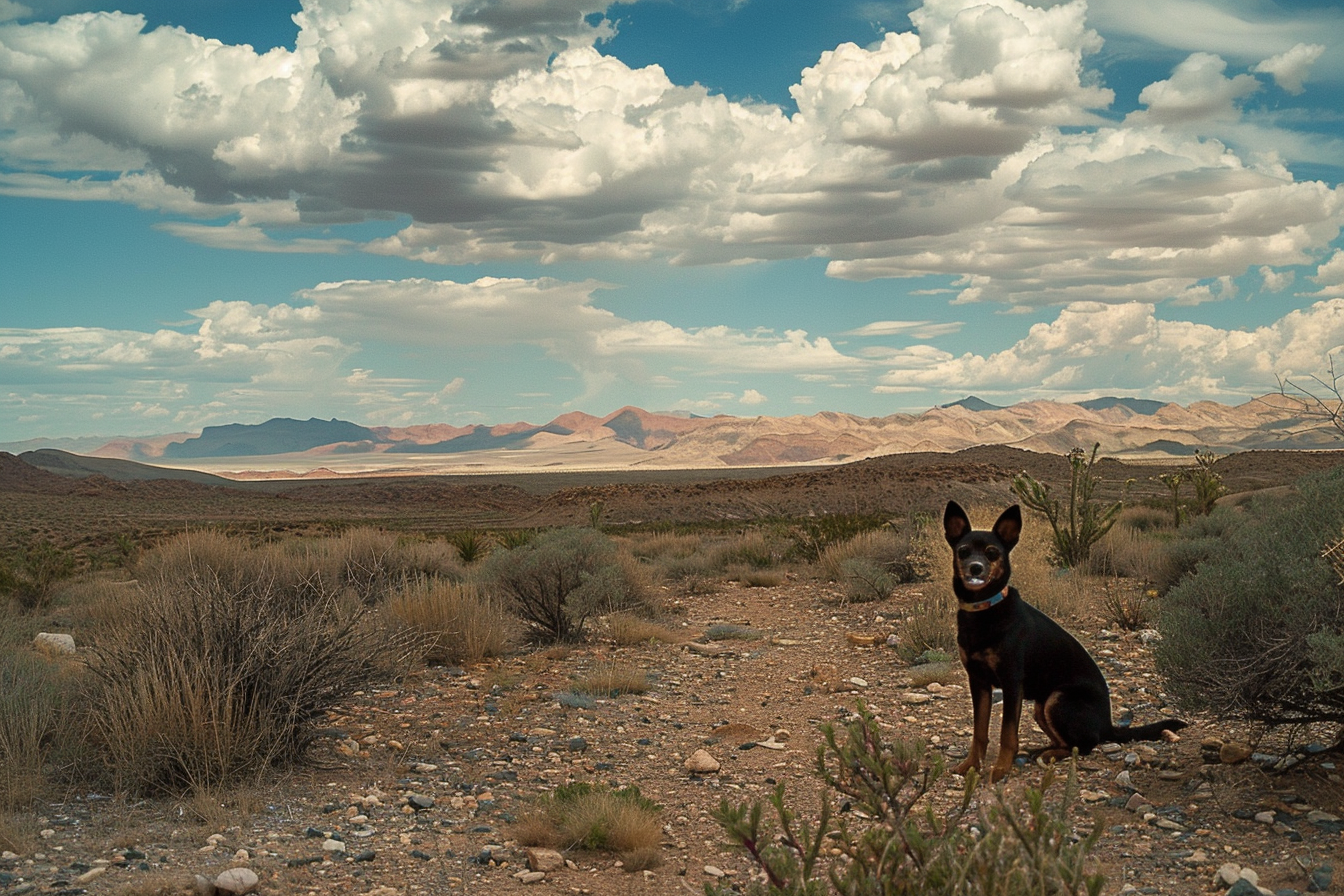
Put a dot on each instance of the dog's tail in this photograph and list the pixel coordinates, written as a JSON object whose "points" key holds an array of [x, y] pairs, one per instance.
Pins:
{"points": [[1123, 734]]}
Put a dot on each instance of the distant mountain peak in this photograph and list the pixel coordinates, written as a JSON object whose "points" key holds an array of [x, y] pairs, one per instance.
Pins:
{"points": [[971, 403], [1144, 406], [280, 435]]}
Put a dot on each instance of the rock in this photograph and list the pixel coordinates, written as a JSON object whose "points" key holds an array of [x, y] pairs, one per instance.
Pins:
{"points": [[544, 860], [577, 745], [1264, 817], [1243, 887], [701, 763], [859, 640], [915, 697], [1320, 879], [530, 877], [333, 845], [420, 803], [713, 871], [236, 881], [91, 875], [203, 886], [55, 644], [1228, 874], [1232, 752]]}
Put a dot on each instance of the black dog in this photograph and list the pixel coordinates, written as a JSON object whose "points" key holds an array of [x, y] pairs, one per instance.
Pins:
{"points": [[1007, 643]]}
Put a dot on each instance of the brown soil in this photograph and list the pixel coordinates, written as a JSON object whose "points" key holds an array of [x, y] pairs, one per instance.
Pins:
{"points": [[486, 741]]}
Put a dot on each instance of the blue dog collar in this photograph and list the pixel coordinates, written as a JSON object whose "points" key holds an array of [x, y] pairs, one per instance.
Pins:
{"points": [[986, 604]]}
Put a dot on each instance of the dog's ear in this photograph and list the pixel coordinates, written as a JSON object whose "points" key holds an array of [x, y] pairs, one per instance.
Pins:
{"points": [[1008, 527], [955, 523]]}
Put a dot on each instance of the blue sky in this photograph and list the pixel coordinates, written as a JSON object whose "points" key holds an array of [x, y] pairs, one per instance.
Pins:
{"points": [[400, 211]]}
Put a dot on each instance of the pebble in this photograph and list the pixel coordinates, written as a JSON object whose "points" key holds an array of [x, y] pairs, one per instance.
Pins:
{"points": [[713, 871]]}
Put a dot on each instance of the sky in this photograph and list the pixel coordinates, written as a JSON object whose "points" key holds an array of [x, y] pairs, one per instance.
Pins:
{"points": [[399, 212]]}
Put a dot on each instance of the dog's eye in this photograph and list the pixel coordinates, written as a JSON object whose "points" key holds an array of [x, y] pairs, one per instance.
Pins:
{"points": [[992, 553], [963, 552]]}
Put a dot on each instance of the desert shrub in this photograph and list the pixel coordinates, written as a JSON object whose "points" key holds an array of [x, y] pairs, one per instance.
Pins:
{"points": [[1257, 630], [1128, 606], [200, 682], [34, 708], [586, 816], [811, 537], [1082, 521], [927, 624], [1201, 538], [471, 545], [452, 622], [561, 579], [33, 571], [750, 548], [1135, 554], [866, 580], [514, 538], [889, 548], [885, 844], [370, 563]]}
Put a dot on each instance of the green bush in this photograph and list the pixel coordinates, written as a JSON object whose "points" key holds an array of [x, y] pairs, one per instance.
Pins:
{"points": [[34, 571], [1256, 630], [559, 580], [885, 844]]}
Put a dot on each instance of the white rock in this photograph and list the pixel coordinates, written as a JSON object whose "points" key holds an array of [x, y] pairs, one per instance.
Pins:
{"points": [[713, 871], [236, 880], [54, 643], [1228, 874], [333, 845]]}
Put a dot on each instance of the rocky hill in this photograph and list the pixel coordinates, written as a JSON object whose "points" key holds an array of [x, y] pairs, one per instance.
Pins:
{"points": [[632, 437]]}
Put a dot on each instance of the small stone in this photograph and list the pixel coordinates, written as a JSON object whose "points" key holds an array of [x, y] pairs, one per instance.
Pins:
{"points": [[859, 640], [1321, 879], [203, 886], [544, 860], [530, 877], [858, 682], [236, 881], [333, 845], [1243, 887], [1228, 874], [91, 875], [1264, 817], [577, 745], [701, 763], [1125, 780], [713, 871], [1232, 752], [916, 697], [420, 803]]}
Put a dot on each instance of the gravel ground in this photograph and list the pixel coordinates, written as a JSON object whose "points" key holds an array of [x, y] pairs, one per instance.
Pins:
{"points": [[414, 786]]}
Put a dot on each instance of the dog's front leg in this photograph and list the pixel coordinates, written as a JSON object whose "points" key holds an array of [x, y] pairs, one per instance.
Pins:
{"points": [[982, 700], [1008, 737]]}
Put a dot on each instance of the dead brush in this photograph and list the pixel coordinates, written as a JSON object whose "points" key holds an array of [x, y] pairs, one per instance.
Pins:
{"points": [[456, 623], [198, 684]]}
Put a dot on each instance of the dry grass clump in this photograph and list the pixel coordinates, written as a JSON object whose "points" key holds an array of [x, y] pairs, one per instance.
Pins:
{"points": [[756, 577], [35, 709], [583, 816], [1136, 554], [454, 623], [613, 680], [658, 546], [627, 630], [883, 547]]}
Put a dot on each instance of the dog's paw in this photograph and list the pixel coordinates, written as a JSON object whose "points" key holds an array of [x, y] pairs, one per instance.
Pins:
{"points": [[999, 772], [964, 766]]}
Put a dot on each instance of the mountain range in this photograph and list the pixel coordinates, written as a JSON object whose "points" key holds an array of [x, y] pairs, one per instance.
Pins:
{"points": [[633, 437]]}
